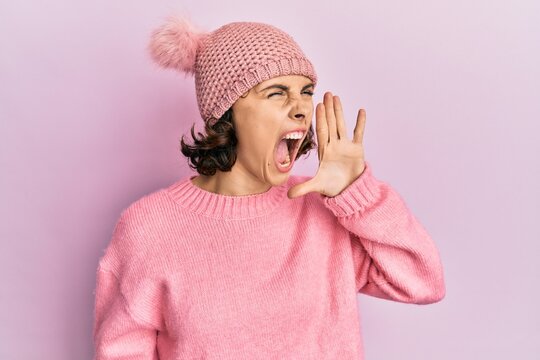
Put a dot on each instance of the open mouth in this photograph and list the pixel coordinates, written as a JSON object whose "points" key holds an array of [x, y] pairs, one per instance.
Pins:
{"points": [[287, 148], [294, 145]]}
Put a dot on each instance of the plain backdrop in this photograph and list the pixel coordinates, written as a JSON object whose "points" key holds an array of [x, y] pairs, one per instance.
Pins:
{"points": [[451, 90]]}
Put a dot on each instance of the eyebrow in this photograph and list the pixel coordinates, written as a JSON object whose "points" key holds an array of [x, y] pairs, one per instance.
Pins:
{"points": [[283, 87]]}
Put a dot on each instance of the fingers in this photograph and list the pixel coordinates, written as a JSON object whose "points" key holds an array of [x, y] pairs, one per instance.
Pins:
{"points": [[358, 136], [321, 128], [331, 121], [330, 116], [340, 121]]}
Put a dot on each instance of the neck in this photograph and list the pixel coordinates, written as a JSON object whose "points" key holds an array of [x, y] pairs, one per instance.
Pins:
{"points": [[231, 183], [210, 202]]}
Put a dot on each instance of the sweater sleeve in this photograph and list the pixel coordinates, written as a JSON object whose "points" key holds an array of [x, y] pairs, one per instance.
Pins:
{"points": [[117, 334], [394, 256], [126, 311]]}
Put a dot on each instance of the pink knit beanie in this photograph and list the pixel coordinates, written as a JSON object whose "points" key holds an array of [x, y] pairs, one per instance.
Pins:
{"points": [[228, 61]]}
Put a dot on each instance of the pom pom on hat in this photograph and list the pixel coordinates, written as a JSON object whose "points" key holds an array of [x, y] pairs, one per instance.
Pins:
{"points": [[174, 44]]}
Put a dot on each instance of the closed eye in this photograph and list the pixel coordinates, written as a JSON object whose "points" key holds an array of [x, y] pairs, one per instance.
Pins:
{"points": [[310, 93]]}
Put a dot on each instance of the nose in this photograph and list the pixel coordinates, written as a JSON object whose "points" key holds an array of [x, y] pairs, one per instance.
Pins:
{"points": [[300, 109], [300, 116]]}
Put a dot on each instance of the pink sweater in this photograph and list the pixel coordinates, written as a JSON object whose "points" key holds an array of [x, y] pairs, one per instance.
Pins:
{"points": [[191, 274]]}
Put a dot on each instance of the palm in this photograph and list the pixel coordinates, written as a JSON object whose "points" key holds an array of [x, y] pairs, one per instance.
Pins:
{"points": [[341, 160]]}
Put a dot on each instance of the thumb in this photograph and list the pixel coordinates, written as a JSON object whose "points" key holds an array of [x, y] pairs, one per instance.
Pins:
{"points": [[302, 189]]}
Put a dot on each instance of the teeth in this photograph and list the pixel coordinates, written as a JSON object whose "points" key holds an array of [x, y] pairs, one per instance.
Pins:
{"points": [[294, 135], [285, 165], [287, 161]]}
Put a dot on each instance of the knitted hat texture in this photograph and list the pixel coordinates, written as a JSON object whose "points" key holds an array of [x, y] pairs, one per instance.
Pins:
{"points": [[228, 61]]}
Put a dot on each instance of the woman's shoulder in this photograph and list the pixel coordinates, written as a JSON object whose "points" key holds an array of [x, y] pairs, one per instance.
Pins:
{"points": [[136, 228], [147, 209]]}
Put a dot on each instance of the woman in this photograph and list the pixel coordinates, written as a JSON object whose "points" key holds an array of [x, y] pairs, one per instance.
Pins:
{"points": [[245, 261]]}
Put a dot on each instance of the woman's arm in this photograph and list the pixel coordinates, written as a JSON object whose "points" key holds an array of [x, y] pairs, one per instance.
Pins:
{"points": [[397, 259], [394, 256], [117, 334], [127, 317]]}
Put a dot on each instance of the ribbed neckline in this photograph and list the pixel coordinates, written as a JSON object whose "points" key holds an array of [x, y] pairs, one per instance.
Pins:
{"points": [[210, 204]]}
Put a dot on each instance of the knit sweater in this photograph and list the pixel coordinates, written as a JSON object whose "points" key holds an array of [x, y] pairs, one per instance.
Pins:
{"points": [[191, 274]]}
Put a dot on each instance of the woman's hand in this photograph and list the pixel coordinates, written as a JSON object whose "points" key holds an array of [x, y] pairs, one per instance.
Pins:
{"points": [[341, 161]]}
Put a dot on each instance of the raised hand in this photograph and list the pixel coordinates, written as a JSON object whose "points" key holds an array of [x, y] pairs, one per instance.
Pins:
{"points": [[341, 161]]}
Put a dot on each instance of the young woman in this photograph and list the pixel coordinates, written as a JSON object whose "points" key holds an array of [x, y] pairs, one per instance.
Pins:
{"points": [[245, 260]]}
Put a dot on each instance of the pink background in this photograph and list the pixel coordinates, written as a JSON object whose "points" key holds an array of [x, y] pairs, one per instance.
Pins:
{"points": [[451, 91]]}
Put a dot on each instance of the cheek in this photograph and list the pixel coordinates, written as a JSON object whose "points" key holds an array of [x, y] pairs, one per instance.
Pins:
{"points": [[257, 146], [254, 145], [259, 132]]}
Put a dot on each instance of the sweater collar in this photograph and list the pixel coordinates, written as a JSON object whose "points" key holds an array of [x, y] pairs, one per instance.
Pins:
{"points": [[210, 204]]}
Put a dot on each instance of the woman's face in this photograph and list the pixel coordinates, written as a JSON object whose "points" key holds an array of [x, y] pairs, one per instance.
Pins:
{"points": [[270, 110]]}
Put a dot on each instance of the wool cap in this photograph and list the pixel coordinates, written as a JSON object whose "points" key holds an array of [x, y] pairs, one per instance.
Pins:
{"points": [[228, 61]]}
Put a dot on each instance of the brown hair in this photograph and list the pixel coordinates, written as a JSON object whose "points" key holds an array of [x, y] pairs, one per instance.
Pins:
{"points": [[217, 150]]}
